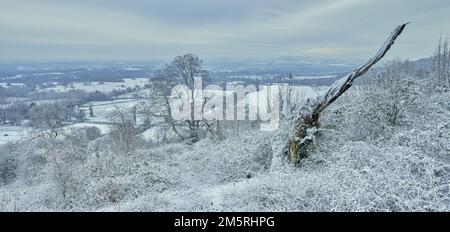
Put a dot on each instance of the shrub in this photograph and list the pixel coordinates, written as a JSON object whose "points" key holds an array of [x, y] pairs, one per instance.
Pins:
{"points": [[8, 170]]}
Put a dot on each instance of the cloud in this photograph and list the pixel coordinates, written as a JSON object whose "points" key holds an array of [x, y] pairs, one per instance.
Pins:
{"points": [[119, 29]]}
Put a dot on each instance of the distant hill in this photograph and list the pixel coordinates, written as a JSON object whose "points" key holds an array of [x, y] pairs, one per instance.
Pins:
{"points": [[296, 64], [424, 63]]}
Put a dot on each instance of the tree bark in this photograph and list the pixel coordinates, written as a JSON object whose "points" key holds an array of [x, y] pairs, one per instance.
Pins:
{"points": [[306, 122]]}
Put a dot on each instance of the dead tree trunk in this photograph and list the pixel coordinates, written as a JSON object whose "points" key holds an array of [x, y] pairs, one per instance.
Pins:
{"points": [[307, 120]]}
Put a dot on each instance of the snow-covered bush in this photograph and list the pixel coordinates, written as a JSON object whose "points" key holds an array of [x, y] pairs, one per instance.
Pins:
{"points": [[8, 170], [9, 164], [93, 133], [124, 133], [378, 106]]}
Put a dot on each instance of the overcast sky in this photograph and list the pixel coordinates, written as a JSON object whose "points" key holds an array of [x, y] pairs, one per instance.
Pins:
{"points": [[161, 29]]}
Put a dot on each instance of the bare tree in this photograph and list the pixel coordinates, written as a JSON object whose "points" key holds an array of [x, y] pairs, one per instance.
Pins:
{"points": [[3, 117], [49, 118], [185, 70], [159, 105], [124, 132], [286, 97], [441, 63], [306, 122], [14, 114], [91, 110], [134, 114]]}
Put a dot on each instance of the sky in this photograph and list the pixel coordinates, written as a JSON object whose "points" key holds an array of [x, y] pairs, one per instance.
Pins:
{"points": [[69, 30]]}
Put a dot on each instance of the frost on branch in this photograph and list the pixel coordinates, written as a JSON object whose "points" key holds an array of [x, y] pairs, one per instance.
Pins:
{"points": [[307, 120]]}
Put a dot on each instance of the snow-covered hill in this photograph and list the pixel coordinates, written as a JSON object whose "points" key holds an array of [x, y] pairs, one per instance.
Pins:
{"points": [[358, 163]]}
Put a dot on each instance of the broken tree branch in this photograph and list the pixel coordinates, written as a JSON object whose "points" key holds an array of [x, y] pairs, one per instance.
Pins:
{"points": [[307, 121]]}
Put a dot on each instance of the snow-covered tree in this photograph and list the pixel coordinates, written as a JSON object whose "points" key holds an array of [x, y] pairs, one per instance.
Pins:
{"points": [[48, 118], [91, 110], [441, 63], [183, 70], [124, 132], [395, 90]]}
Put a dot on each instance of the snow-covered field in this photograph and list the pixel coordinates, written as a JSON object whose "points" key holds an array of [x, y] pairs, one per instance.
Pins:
{"points": [[13, 77], [104, 129], [103, 109], [13, 133], [105, 87], [101, 120], [312, 77], [47, 74], [6, 85]]}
